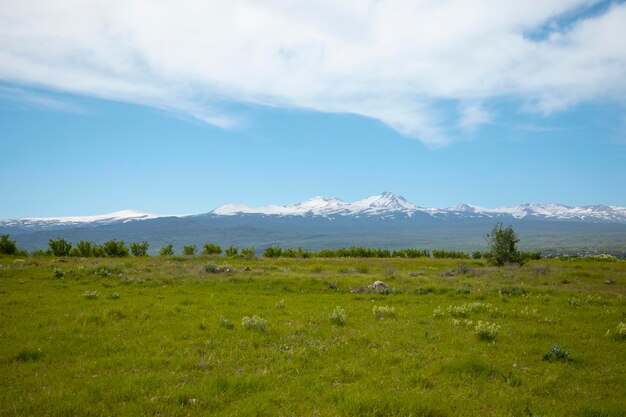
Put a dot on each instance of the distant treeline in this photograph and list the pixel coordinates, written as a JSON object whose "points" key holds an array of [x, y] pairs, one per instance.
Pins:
{"points": [[118, 248]]}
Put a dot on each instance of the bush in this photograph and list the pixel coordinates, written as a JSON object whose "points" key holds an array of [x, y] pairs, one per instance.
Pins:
{"points": [[248, 253], [557, 354], [477, 254], [167, 250], [225, 323], [190, 250], [7, 247], [232, 251], [59, 247], [211, 249], [39, 252], [83, 249], [384, 311], [441, 254], [254, 323], [115, 248], [338, 316], [91, 295], [272, 252], [503, 245], [486, 331], [139, 249], [58, 273]]}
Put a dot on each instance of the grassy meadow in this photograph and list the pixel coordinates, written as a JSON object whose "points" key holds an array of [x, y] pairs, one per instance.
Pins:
{"points": [[176, 336]]}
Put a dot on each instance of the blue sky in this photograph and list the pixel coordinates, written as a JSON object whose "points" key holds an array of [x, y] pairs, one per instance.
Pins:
{"points": [[95, 122]]}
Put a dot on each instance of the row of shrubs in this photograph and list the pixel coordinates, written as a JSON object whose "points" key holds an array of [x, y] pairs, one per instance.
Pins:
{"points": [[118, 248]]}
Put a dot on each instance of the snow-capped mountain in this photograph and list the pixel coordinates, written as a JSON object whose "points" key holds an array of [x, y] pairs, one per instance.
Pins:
{"points": [[390, 204], [51, 223], [385, 206]]}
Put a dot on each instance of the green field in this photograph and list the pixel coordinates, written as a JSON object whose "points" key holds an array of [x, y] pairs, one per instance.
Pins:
{"points": [[164, 336]]}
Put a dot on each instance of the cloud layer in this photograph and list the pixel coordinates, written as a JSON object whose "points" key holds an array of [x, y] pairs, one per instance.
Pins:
{"points": [[400, 62]]}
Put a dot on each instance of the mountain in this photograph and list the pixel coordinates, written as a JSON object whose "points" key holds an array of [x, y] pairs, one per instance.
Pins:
{"points": [[384, 220], [56, 223], [389, 204]]}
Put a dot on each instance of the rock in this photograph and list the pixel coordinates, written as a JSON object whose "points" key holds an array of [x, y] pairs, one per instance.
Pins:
{"points": [[609, 282], [377, 285], [247, 269]]}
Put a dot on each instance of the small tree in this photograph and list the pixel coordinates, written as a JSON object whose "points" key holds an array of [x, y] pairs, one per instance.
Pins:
{"points": [[7, 247], [272, 252], [211, 249], [232, 251], [83, 249], [190, 250], [139, 249], [115, 248], [503, 245], [248, 253], [60, 247], [167, 250]]}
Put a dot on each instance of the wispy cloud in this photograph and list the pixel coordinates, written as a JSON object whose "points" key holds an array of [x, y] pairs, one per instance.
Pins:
{"points": [[39, 100], [391, 60]]}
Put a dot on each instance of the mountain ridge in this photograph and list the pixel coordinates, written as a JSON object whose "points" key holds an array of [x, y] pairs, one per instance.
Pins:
{"points": [[386, 205]]}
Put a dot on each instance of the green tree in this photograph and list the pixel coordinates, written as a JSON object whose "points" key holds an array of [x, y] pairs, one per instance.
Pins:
{"points": [[211, 249], [503, 245], [60, 247], [83, 249], [167, 250], [7, 247], [248, 253], [232, 251], [139, 249], [190, 250], [272, 252], [115, 248]]}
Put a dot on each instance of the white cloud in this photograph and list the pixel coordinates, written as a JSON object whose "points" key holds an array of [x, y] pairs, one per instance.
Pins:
{"points": [[392, 60]]}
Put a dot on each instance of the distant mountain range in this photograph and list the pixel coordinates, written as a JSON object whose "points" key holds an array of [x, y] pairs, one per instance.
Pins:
{"points": [[384, 220]]}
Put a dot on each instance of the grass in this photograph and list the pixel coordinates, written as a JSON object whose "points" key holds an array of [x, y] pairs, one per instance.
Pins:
{"points": [[167, 337]]}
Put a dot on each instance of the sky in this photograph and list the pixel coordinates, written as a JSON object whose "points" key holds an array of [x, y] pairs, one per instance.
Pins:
{"points": [[173, 109]]}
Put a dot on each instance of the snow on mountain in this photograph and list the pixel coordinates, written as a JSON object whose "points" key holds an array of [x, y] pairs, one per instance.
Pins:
{"points": [[388, 203], [385, 205], [122, 216]]}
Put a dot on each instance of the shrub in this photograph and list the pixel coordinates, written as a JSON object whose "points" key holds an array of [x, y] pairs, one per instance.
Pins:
{"points": [[437, 312], [115, 248], [139, 249], [232, 251], [167, 250], [7, 247], [211, 249], [59, 247], [39, 252], [384, 311], [338, 316], [503, 245], [440, 254], [272, 252], [91, 295], [225, 323], [486, 331], [557, 354], [83, 249], [477, 254], [620, 332], [58, 273], [254, 323], [114, 296], [603, 257], [190, 250], [280, 304], [248, 253], [212, 268]]}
